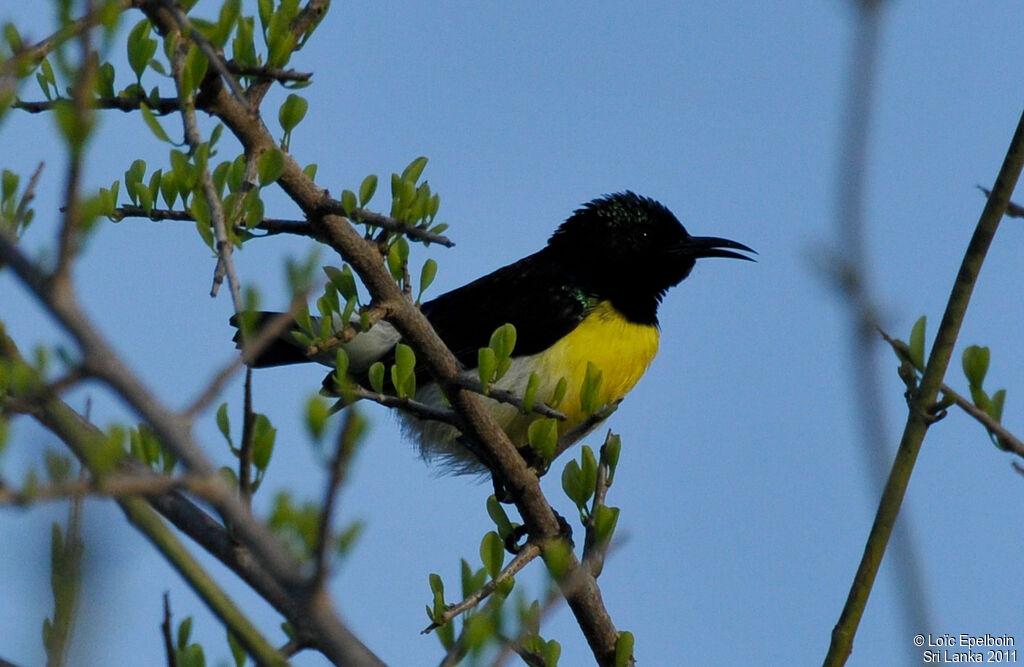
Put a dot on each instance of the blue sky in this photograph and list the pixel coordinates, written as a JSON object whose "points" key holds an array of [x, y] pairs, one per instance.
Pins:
{"points": [[745, 503]]}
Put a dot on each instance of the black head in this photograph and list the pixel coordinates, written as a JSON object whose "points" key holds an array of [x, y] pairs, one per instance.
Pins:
{"points": [[631, 250]]}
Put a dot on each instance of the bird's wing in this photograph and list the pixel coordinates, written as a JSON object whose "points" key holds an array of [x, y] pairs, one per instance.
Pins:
{"points": [[534, 294]]}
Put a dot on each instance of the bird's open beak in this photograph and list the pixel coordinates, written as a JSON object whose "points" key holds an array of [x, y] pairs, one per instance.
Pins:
{"points": [[712, 246]]}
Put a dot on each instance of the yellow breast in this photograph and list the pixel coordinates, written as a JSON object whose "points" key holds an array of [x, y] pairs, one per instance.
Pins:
{"points": [[620, 349]]}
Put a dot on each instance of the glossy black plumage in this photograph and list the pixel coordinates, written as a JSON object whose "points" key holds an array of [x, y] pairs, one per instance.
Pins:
{"points": [[622, 248]]}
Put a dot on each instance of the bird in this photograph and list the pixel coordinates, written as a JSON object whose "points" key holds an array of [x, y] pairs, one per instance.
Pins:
{"points": [[589, 297]]}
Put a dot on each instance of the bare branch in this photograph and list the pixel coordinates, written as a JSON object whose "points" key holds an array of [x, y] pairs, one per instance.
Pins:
{"points": [[343, 450], [527, 553], [161, 107], [505, 396], [1011, 442], [413, 407], [923, 398], [216, 59], [272, 73], [298, 227], [312, 621], [167, 633]]}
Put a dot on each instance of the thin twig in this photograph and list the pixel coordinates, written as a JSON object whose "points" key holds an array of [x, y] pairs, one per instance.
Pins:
{"points": [[161, 106], [68, 239], [594, 552], [28, 195], [527, 553], [923, 399], [224, 247], [369, 316], [245, 447], [299, 227], [413, 407], [1009, 440], [578, 586], [114, 485], [472, 383], [215, 59], [274, 73], [37, 52], [580, 431], [361, 215], [250, 550], [168, 633], [344, 448]]}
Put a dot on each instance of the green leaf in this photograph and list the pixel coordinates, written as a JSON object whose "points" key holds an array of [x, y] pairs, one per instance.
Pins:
{"points": [[396, 264], [499, 517], [427, 275], [610, 452], [403, 373], [588, 469], [559, 393], [169, 188], [975, 363], [140, 47], [229, 12], [238, 653], [223, 423], [503, 341], [995, 408], [917, 342], [8, 185], [543, 437], [151, 122], [201, 212], [184, 632], [530, 394], [623, 648], [317, 412], [343, 280], [366, 189], [492, 553], [191, 656], [590, 396], [270, 166], [105, 80], [348, 202], [572, 484], [292, 111], [194, 70], [436, 584], [263, 436], [376, 377], [605, 519], [414, 170], [552, 651], [486, 365]]}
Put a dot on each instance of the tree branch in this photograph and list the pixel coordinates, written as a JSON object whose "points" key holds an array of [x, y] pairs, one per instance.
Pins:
{"points": [[161, 107], [923, 399], [313, 616], [579, 587], [312, 619], [527, 553], [1011, 442]]}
